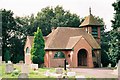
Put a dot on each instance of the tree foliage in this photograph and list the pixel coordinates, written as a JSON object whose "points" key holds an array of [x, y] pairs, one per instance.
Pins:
{"points": [[37, 51], [114, 43], [55, 17], [10, 36]]}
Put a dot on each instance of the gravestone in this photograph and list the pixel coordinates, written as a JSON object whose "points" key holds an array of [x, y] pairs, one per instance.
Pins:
{"points": [[9, 62], [47, 73], [3, 62], [23, 75], [59, 70], [81, 77], [21, 62], [71, 74], [119, 69], [109, 65], [34, 66], [9, 68], [25, 69]]}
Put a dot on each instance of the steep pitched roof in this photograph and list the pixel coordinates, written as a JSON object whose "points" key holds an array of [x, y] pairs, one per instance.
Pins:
{"points": [[66, 38], [31, 39], [90, 20]]}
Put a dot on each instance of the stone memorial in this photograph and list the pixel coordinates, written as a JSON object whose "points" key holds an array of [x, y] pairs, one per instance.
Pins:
{"points": [[9, 62], [59, 70], [9, 68], [34, 66], [81, 77], [109, 65], [23, 75], [47, 73], [21, 62], [119, 69], [71, 74], [25, 69], [3, 62]]}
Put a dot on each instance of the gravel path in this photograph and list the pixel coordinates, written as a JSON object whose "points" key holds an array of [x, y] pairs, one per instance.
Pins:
{"points": [[95, 73]]}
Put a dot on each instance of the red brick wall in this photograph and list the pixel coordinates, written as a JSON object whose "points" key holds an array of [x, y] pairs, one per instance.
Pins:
{"points": [[50, 61], [82, 44], [27, 58]]}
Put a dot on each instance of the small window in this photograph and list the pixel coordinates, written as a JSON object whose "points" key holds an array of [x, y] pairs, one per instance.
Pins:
{"points": [[27, 50], [59, 54], [94, 31]]}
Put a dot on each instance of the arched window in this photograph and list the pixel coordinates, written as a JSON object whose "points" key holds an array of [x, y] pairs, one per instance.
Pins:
{"points": [[59, 54], [27, 50]]}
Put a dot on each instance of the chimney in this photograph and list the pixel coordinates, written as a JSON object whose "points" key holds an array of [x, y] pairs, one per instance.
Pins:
{"points": [[53, 28]]}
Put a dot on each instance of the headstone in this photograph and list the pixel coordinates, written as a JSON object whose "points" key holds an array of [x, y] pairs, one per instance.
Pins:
{"points": [[25, 69], [47, 73], [9, 68], [81, 77], [21, 62], [101, 65], [59, 76], [23, 75], [3, 62], [71, 74], [119, 69], [109, 65], [59, 70], [9, 62], [34, 66]]}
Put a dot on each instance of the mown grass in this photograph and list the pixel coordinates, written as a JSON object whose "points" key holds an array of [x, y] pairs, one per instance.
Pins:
{"points": [[32, 74]]}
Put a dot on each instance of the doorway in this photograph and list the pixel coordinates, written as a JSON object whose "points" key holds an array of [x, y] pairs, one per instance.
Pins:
{"points": [[82, 57]]}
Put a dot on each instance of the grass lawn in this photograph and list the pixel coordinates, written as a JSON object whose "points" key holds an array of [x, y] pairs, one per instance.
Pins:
{"points": [[32, 73], [38, 74]]}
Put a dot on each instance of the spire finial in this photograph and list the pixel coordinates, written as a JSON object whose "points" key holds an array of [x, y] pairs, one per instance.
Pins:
{"points": [[90, 10]]}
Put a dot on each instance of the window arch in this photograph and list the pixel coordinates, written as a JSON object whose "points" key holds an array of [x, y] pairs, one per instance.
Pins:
{"points": [[59, 54], [27, 50]]}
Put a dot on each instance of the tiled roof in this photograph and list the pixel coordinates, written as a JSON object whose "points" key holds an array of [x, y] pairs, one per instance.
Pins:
{"points": [[66, 38], [90, 20]]}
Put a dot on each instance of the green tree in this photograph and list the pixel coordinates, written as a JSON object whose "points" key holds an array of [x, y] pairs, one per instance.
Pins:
{"points": [[8, 26], [114, 43], [55, 17], [37, 50], [105, 37], [10, 36], [7, 56]]}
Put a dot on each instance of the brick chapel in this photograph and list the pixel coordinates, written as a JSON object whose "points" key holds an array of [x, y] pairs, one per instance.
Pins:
{"points": [[79, 46]]}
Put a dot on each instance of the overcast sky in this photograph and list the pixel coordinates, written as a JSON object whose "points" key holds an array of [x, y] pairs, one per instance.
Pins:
{"points": [[101, 8]]}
